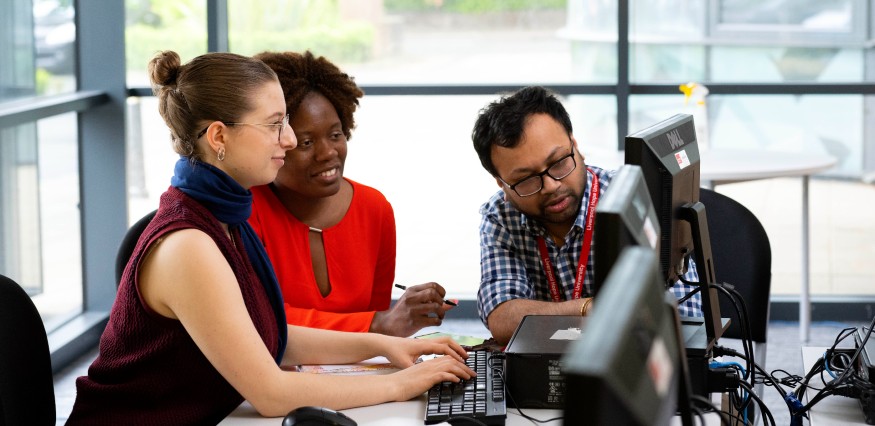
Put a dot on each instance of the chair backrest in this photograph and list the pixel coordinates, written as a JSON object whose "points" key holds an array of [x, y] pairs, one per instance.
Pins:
{"points": [[27, 390], [742, 257], [129, 242]]}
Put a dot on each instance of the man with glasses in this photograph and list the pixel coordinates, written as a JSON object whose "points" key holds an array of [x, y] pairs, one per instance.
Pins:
{"points": [[536, 232]]}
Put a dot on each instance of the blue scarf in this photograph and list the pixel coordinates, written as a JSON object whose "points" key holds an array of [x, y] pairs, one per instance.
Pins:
{"points": [[232, 204]]}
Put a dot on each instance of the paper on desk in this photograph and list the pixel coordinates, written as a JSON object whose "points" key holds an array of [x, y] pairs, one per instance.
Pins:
{"points": [[377, 365]]}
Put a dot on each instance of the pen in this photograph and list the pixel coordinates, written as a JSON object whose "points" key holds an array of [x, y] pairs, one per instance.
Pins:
{"points": [[448, 302]]}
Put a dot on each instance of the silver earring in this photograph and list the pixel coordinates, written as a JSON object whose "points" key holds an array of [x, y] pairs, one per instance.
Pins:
{"points": [[221, 155]]}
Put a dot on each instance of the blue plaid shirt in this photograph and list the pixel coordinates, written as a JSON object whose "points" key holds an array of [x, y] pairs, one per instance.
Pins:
{"points": [[510, 264]]}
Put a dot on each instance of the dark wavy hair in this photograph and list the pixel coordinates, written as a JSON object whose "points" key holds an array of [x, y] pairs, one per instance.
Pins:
{"points": [[502, 122], [301, 74]]}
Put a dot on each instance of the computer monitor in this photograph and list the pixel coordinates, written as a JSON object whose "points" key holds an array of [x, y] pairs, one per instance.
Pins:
{"points": [[625, 216], [668, 155], [629, 366]]}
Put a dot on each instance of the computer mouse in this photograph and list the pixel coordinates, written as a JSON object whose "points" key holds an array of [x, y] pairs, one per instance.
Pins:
{"points": [[316, 416]]}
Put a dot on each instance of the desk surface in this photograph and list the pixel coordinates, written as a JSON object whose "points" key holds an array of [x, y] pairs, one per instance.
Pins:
{"points": [[413, 413], [832, 410], [390, 414]]}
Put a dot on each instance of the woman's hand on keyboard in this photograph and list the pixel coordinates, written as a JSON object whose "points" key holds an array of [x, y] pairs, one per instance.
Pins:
{"points": [[414, 381], [403, 352]]}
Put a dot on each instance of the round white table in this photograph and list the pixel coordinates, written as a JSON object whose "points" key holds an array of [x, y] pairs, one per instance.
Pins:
{"points": [[722, 166]]}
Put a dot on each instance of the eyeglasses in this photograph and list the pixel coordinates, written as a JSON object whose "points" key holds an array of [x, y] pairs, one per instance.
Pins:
{"points": [[282, 125], [533, 184]]}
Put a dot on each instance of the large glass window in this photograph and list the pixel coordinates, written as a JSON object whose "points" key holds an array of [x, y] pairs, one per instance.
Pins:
{"points": [[436, 183], [59, 220], [39, 193], [19, 196], [155, 25], [794, 21], [54, 32], [39, 223], [826, 124], [773, 64], [416, 41], [747, 41], [150, 157], [37, 55]]}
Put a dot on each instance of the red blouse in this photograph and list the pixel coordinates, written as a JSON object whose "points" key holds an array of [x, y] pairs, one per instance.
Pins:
{"points": [[359, 252]]}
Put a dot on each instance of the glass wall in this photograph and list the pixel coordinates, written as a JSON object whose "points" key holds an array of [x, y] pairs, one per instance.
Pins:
{"points": [[401, 49], [427, 67], [39, 192], [58, 220]]}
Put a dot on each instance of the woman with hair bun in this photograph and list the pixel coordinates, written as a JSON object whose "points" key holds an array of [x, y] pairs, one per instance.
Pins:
{"points": [[198, 324]]}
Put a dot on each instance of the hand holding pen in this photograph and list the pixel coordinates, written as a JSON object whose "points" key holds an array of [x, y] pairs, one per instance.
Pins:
{"points": [[448, 302], [420, 306]]}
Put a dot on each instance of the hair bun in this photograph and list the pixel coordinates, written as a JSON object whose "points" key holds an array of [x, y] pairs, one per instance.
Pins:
{"points": [[164, 68]]}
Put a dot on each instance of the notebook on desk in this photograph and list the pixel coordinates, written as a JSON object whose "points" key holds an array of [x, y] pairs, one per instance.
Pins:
{"points": [[533, 370]]}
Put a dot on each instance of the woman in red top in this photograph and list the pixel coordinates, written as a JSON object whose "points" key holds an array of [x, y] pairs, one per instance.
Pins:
{"points": [[332, 240]]}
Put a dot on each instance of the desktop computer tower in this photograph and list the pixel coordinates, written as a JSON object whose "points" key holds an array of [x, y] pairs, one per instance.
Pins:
{"points": [[533, 368], [698, 354]]}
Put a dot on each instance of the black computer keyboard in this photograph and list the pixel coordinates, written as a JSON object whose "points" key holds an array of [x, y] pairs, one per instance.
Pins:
{"points": [[481, 398]]}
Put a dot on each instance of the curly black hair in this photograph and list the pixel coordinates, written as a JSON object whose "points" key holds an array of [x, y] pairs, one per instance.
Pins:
{"points": [[301, 74]]}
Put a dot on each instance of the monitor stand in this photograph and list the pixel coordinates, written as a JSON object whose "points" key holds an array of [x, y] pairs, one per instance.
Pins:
{"points": [[695, 215], [700, 334]]}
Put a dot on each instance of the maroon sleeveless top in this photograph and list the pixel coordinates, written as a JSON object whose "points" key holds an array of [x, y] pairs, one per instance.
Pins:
{"points": [[149, 371]]}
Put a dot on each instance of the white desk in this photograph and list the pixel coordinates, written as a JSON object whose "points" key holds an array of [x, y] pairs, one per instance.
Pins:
{"points": [[722, 166], [390, 414], [413, 413], [832, 410]]}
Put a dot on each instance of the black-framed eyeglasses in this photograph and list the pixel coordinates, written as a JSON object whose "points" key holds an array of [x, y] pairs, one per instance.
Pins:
{"points": [[532, 185], [281, 125]]}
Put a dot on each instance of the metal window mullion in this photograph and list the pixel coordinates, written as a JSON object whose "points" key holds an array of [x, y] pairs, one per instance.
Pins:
{"points": [[217, 26]]}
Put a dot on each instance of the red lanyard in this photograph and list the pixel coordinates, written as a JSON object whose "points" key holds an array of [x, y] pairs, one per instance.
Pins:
{"points": [[584, 251]]}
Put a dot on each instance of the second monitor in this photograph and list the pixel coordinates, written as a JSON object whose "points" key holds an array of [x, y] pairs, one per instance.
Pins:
{"points": [[626, 217]]}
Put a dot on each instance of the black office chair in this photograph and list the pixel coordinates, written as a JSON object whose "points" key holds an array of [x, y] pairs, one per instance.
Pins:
{"points": [[27, 390], [129, 242], [742, 257]]}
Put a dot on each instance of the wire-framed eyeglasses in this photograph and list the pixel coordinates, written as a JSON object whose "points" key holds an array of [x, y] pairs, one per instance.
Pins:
{"points": [[281, 125], [532, 185]]}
